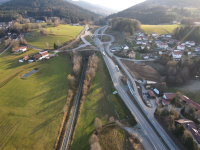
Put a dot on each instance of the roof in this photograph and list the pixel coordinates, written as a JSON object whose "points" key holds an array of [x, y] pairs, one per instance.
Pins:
{"points": [[37, 56], [156, 91], [169, 96], [189, 101], [23, 47], [44, 53], [183, 121], [151, 93], [126, 47], [190, 126], [181, 46], [177, 52]]}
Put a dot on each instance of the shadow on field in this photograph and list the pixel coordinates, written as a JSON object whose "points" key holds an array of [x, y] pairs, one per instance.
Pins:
{"points": [[44, 124]]}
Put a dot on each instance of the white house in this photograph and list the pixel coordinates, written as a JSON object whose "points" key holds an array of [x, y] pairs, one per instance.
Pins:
{"points": [[160, 52], [146, 57], [168, 36], [139, 42], [191, 43], [197, 49], [177, 54], [143, 46], [162, 45], [181, 47], [139, 39], [126, 48], [21, 49], [44, 55], [154, 35]]}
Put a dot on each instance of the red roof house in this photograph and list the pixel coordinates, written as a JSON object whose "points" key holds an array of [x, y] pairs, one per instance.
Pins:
{"points": [[151, 94]]}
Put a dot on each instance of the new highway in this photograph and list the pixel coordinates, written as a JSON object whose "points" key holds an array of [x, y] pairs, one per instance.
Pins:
{"points": [[154, 132]]}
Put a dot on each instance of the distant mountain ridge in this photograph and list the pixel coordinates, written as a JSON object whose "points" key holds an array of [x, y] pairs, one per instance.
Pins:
{"points": [[92, 7], [3, 1], [162, 11], [175, 3], [44, 8]]}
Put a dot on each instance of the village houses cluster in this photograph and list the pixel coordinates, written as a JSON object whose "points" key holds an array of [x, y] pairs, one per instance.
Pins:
{"points": [[152, 46], [165, 100], [166, 44]]}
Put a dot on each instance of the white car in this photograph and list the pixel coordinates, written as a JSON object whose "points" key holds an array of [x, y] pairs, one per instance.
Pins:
{"points": [[30, 61], [117, 68]]}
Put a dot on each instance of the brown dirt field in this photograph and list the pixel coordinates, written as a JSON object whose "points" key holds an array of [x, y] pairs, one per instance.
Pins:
{"points": [[143, 71]]}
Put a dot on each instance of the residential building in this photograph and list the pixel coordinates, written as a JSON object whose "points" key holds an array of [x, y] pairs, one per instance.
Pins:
{"points": [[181, 47], [191, 127], [177, 54], [44, 55], [132, 54], [21, 49]]}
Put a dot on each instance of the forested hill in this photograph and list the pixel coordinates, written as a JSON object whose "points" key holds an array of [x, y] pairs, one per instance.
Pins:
{"points": [[44, 8], [162, 11]]}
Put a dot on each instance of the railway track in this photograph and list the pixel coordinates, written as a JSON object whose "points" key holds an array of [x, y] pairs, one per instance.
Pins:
{"points": [[72, 121]]}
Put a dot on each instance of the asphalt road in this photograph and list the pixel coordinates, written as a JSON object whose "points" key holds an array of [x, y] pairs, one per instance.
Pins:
{"points": [[116, 75]]}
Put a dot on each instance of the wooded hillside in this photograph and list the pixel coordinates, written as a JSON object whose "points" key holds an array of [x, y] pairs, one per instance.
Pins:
{"points": [[44, 8]]}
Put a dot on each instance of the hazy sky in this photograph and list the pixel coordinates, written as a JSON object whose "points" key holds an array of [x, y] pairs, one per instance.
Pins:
{"points": [[116, 4]]}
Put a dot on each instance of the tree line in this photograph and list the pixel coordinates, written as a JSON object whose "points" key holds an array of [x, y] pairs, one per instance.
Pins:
{"points": [[125, 25], [188, 33], [90, 73], [178, 73]]}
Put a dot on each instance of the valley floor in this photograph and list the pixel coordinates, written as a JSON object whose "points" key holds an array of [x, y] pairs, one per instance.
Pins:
{"points": [[31, 109], [100, 103]]}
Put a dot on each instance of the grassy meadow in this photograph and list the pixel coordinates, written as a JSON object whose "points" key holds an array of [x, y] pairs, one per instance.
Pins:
{"points": [[159, 29], [31, 109], [58, 35], [101, 103]]}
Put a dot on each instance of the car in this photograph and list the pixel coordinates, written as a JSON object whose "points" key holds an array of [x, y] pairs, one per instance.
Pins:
{"points": [[117, 68]]}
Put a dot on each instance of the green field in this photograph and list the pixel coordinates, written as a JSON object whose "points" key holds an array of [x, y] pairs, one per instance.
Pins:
{"points": [[159, 29], [99, 103], [58, 35], [31, 109]]}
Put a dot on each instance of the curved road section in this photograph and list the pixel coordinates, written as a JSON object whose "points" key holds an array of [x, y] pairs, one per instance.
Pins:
{"points": [[154, 132]]}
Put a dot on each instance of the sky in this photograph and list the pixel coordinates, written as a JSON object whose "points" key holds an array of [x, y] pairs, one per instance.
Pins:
{"points": [[115, 4]]}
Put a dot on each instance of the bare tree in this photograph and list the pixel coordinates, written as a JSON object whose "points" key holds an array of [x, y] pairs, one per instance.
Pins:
{"points": [[23, 41], [77, 60], [43, 32], [8, 42], [98, 124], [95, 146], [71, 80], [93, 139], [189, 109]]}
